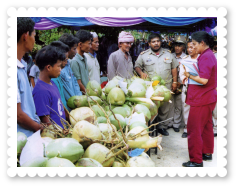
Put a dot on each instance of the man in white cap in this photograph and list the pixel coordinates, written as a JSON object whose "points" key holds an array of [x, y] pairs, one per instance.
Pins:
{"points": [[93, 65], [120, 61]]}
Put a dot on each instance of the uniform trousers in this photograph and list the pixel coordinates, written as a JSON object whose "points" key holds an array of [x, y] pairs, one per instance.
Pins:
{"points": [[200, 132]]}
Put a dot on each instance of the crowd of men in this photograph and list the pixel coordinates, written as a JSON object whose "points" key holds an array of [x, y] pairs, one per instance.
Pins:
{"points": [[63, 69]]}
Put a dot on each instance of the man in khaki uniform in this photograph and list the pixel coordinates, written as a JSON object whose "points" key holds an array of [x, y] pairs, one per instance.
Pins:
{"points": [[158, 61]]}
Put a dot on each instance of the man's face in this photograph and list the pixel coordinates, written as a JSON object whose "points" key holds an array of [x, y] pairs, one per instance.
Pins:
{"points": [[191, 49], [29, 41], [155, 44], [54, 71], [95, 44], [85, 47], [65, 61], [179, 47], [72, 52], [125, 46]]}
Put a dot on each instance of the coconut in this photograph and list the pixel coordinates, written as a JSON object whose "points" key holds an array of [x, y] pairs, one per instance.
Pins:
{"points": [[21, 142], [46, 141], [117, 164], [157, 103], [36, 162], [136, 124], [141, 81], [107, 130], [137, 130], [120, 110], [49, 131], [93, 88], [167, 95], [92, 102], [136, 89], [121, 119], [100, 153], [140, 161], [67, 148], [110, 85], [159, 91], [162, 82], [117, 78], [101, 120], [128, 110], [88, 162], [83, 130], [77, 101], [153, 109], [59, 162], [139, 108], [103, 96], [83, 113], [97, 110], [156, 78], [116, 96]]}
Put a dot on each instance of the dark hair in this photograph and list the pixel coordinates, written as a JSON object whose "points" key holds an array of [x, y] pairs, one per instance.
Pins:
{"points": [[48, 55], [69, 39], [84, 35], [24, 25], [60, 45], [154, 35], [203, 36]]}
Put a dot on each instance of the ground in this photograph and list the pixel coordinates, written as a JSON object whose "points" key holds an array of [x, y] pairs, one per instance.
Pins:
{"points": [[175, 151]]}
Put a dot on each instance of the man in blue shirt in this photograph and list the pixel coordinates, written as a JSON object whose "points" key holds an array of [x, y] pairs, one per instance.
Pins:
{"points": [[27, 120]]}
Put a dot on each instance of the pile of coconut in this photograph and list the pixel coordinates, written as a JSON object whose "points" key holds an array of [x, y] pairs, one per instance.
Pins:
{"points": [[105, 124]]}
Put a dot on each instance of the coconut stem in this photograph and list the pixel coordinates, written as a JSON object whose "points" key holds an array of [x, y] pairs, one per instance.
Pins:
{"points": [[117, 153]]}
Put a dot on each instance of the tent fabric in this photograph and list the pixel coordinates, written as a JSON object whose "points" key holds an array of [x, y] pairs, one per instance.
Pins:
{"points": [[45, 24], [174, 21], [115, 21], [70, 21]]}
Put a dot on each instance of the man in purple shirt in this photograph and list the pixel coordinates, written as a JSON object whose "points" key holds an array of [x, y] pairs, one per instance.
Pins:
{"points": [[46, 94]]}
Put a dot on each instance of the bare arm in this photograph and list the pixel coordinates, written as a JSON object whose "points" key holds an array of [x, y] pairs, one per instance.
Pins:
{"points": [[175, 79], [82, 88], [32, 81], [25, 121], [196, 78]]}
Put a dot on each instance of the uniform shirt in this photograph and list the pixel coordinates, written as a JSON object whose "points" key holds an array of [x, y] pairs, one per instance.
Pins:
{"points": [[179, 59], [199, 95], [24, 96], [93, 67], [118, 65], [34, 72], [79, 67], [69, 81], [46, 95], [160, 64]]}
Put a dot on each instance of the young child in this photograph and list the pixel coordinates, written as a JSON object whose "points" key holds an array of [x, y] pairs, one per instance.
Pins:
{"points": [[46, 94], [34, 72]]}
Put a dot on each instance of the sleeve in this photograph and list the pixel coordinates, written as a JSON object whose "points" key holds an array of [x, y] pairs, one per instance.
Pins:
{"points": [[139, 62], [205, 68], [111, 70], [42, 101], [175, 63], [33, 71], [181, 72], [18, 95], [76, 70]]}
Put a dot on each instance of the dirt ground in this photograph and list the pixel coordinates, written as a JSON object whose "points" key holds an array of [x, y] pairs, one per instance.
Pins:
{"points": [[175, 151]]}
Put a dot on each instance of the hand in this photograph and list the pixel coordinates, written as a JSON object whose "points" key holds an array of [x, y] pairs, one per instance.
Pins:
{"points": [[174, 87], [179, 85], [185, 79], [186, 74], [143, 75]]}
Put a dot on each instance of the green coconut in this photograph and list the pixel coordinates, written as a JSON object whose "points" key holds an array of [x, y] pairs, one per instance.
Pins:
{"points": [[21, 142], [100, 153], [49, 131], [157, 103], [136, 89], [117, 164], [67, 148], [103, 96], [107, 129], [139, 108], [141, 81], [136, 124], [120, 110], [79, 114], [101, 120], [167, 96], [93, 88], [128, 110], [161, 103], [153, 109], [59, 162], [162, 82], [145, 104], [77, 101], [36, 162], [159, 91], [93, 99], [97, 110], [110, 85], [156, 78], [88, 162], [140, 161], [115, 122], [116, 96]]}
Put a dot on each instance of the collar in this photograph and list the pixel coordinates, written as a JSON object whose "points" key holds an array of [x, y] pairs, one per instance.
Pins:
{"points": [[93, 55], [79, 56], [160, 52], [203, 53], [19, 64], [123, 52], [181, 56]]}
